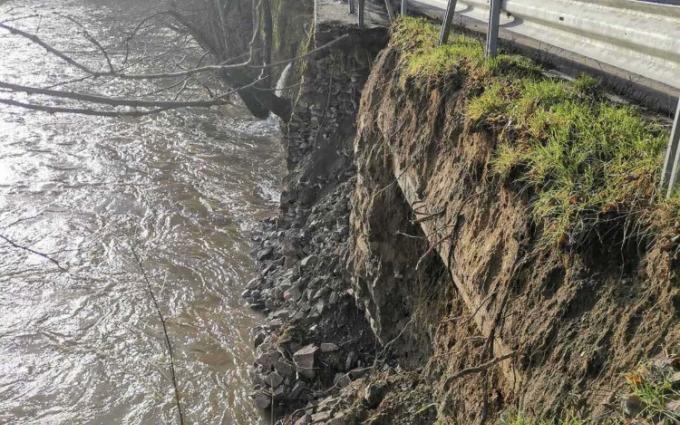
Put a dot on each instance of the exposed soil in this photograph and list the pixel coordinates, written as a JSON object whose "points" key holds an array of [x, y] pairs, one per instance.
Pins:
{"points": [[574, 322], [405, 284]]}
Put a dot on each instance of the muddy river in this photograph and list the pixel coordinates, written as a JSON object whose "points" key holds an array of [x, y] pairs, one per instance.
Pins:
{"points": [[84, 345]]}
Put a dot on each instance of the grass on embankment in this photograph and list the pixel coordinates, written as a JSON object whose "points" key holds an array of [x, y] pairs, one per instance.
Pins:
{"points": [[591, 166]]}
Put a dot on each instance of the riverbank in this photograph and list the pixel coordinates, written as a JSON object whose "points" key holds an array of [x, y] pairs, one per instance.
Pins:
{"points": [[425, 266], [315, 337]]}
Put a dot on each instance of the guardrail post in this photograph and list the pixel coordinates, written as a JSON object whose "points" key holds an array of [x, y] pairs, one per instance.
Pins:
{"points": [[671, 167], [390, 10], [362, 9], [404, 7], [448, 19], [492, 33]]}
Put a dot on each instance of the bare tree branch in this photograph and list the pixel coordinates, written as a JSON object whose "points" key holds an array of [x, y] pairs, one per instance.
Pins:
{"points": [[91, 39], [79, 111], [237, 36], [32, 251], [114, 101], [164, 326], [151, 76]]}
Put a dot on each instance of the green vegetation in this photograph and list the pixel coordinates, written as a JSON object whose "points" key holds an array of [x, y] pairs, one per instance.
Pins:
{"points": [[653, 389], [590, 166]]}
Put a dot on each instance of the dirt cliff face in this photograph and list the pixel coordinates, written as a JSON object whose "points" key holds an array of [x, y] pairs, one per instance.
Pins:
{"points": [[408, 282], [498, 319]]}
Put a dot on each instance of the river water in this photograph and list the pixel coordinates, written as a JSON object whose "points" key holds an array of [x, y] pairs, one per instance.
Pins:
{"points": [[85, 346]]}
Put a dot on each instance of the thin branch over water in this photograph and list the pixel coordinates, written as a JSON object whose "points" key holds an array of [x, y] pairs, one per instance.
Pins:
{"points": [[171, 354], [32, 251]]}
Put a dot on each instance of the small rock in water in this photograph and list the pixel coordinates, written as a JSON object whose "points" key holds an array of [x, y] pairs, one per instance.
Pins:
{"points": [[259, 339], [253, 283]]}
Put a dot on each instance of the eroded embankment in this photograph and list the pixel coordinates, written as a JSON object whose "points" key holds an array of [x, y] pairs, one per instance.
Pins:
{"points": [[486, 239], [539, 201]]}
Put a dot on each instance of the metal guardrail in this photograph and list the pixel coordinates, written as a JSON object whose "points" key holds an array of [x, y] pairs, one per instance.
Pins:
{"points": [[635, 41], [641, 39]]}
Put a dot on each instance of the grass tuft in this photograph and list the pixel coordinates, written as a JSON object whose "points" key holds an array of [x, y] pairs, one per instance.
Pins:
{"points": [[590, 166], [652, 385]]}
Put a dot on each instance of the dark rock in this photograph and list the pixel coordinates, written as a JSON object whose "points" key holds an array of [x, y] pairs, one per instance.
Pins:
{"points": [[284, 367], [342, 380], [267, 359], [273, 380], [298, 389], [305, 419], [292, 294], [327, 347], [357, 373], [305, 360], [351, 360], [254, 283], [321, 417], [280, 314], [321, 292], [259, 339], [262, 400], [374, 394], [340, 418], [265, 254], [320, 306], [632, 405], [308, 261]]}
